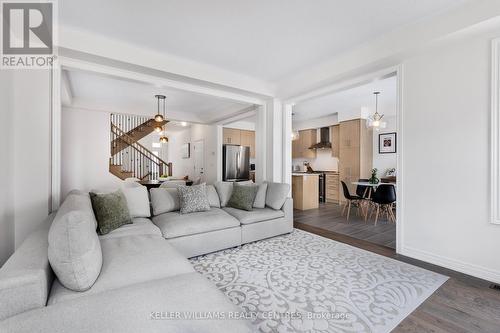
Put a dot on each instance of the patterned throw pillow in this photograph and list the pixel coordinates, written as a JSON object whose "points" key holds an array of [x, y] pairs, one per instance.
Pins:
{"points": [[110, 210], [193, 198], [243, 196]]}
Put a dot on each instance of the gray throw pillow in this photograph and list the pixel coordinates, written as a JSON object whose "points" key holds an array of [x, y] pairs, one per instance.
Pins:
{"points": [[260, 198], [193, 199], [111, 211], [243, 196], [164, 200], [213, 197]]}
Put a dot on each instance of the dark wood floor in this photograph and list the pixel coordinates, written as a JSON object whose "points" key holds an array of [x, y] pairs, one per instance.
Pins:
{"points": [[329, 217], [462, 304]]}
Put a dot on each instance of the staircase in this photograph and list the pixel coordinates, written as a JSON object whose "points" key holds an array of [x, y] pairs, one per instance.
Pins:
{"points": [[130, 159]]}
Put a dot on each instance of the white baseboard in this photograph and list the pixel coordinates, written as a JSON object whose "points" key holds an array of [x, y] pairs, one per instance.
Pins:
{"points": [[456, 265]]}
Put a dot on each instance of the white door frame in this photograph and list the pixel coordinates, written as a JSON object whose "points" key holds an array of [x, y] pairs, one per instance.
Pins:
{"points": [[289, 103]]}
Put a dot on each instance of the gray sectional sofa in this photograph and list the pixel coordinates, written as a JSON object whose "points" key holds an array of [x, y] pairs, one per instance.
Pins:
{"points": [[145, 282]]}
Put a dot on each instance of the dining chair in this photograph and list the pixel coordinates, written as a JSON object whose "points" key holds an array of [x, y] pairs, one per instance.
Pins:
{"points": [[365, 193], [350, 200], [383, 199]]}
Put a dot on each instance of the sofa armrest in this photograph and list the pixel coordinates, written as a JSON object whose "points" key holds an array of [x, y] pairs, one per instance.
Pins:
{"points": [[26, 277]]}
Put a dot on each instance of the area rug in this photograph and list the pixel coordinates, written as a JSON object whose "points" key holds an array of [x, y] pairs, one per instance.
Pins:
{"points": [[302, 282]]}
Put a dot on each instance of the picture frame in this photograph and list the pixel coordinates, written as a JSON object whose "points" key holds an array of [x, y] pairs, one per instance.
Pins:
{"points": [[185, 150], [387, 143]]}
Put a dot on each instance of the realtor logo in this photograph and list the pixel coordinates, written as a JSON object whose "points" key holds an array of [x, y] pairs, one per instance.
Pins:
{"points": [[27, 34]]}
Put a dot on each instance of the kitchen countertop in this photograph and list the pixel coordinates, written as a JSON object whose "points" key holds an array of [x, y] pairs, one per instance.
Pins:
{"points": [[304, 174]]}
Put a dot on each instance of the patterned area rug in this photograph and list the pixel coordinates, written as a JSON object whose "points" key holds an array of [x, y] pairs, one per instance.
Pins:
{"points": [[302, 282]]}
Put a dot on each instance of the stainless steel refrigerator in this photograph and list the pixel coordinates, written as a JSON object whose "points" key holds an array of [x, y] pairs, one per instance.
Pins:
{"points": [[235, 163]]}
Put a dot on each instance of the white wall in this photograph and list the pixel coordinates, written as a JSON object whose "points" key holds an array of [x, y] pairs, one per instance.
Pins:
{"points": [[7, 238], [183, 167], [85, 151], [446, 157], [383, 162], [31, 143], [315, 122]]}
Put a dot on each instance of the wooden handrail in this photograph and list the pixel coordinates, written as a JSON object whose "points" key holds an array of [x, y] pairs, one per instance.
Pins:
{"points": [[151, 157]]}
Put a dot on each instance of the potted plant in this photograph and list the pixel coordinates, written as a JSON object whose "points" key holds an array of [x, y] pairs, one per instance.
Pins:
{"points": [[373, 179]]}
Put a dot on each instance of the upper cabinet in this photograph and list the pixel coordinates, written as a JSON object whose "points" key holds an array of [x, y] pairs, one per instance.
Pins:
{"points": [[248, 140], [335, 138], [300, 147], [232, 136]]}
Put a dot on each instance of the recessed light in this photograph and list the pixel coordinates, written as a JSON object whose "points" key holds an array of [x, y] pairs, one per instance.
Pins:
{"points": [[184, 124]]}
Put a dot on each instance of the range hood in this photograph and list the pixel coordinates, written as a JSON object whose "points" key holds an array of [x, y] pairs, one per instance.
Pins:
{"points": [[324, 142]]}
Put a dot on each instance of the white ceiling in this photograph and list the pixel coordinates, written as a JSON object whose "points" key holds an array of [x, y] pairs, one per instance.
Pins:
{"points": [[265, 39], [351, 101], [98, 92]]}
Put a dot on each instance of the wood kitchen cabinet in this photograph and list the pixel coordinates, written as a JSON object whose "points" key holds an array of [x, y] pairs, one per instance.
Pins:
{"points": [[300, 147], [332, 187], [305, 191], [231, 136], [355, 153], [335, 138], [247, 138]]}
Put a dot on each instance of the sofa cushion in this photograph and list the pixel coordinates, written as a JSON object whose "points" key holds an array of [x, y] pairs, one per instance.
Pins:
{"points": [[256, 215], [225, 189], [111, 210], [276, 194], [213, 197], [74, 250], [139, 226], [243, 196], [130, 260], [137, 199], [138, 308], [193, 198], [174, 224], [164, 200]]}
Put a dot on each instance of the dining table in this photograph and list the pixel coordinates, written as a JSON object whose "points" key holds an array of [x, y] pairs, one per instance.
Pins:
{"points": [[367, 194]]}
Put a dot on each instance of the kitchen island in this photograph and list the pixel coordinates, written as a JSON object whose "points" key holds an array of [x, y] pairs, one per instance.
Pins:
{"points": [[305, 190]]}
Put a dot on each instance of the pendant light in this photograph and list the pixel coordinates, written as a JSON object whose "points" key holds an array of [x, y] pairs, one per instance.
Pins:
{"points": [[159, 116], [375, 121]]}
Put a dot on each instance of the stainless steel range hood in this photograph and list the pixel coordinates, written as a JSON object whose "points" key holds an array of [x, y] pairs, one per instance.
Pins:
{"points": [[324, 142]]}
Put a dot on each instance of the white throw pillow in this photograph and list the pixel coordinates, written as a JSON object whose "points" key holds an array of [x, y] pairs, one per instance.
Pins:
{"points": [[276, 194], [74, 249], [213, 197], [260, 198], [164, 200], [137, 199]]}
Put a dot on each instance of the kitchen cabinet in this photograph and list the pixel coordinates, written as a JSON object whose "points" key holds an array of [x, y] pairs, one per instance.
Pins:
{"points": [[355, 153], [300, 147], [335, 138], [332, 187], [231, 136], [247, 138], [305, 191]]}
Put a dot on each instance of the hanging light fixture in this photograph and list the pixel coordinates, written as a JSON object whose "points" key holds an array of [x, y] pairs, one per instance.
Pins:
{"points": [[159, 116], [375, 121]]}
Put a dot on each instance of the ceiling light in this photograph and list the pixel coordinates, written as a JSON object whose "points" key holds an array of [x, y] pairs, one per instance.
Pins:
{"points": [[164, 139], [159, 117], [158, 129], [184, 124], [375, 121]]}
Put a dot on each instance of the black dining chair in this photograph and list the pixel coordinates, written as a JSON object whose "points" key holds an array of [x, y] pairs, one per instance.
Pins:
{"points": [[350, 200], [383, 199], [365, 193]]}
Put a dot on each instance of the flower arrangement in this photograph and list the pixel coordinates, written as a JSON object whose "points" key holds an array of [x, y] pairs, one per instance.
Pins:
{"points": [[373, 179]]}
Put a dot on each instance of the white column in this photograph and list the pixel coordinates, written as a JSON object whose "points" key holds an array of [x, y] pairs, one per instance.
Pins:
{"points": [[274, 140], [287, 144], [260, 144]]}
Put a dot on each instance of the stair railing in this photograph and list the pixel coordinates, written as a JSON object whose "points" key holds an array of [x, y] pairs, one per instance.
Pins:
{"points": [[135, 158]]}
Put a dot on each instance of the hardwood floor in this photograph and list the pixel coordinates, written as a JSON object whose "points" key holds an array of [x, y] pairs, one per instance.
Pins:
{"points": [[329, 216], [462, 304]]}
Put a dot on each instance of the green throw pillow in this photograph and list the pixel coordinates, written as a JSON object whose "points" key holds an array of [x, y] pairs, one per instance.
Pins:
{"points": [[243, 196], [110, 210]]}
